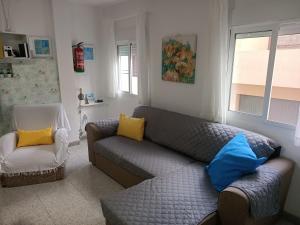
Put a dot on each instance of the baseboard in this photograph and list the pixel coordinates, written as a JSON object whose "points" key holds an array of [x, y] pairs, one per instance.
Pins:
{"points": [[73, 143], [291, 218]]}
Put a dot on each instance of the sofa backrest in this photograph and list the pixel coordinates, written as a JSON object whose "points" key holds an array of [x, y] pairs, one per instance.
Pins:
{"points": [[195, 137]]}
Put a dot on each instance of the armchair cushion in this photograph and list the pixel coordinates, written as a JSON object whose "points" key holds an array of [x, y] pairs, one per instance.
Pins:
{"points": [[30, 159]]}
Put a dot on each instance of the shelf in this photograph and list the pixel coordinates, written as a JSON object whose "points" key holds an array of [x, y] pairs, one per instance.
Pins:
{"points": [[14, 47], [93, 104], [14, 60]]}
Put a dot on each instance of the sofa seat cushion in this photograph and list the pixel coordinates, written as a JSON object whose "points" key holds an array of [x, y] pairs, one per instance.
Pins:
{"points": [[184, 197], [144, 158], [30, 159]]}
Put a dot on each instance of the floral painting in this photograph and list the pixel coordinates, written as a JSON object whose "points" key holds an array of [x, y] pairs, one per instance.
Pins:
{"points": [[179, 58]]}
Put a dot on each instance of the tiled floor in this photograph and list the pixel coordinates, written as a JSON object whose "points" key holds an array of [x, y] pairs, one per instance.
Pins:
{"points": [[72, 201]]}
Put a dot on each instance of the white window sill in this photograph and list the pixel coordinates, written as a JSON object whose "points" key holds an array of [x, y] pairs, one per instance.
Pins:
{"points": [[126, 94], [250, 118]]}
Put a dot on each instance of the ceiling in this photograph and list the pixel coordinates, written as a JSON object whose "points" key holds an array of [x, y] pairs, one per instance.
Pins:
{"points": [[97, 2]]}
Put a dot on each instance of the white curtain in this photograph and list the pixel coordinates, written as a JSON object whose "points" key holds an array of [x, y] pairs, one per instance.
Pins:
{"points": [[297, 132], [142, 58], [219, 47], [110, 65]]}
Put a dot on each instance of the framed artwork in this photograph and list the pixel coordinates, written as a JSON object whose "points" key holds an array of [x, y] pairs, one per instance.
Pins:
{"points": [[179, 58], [88, 52], [40, 46]]}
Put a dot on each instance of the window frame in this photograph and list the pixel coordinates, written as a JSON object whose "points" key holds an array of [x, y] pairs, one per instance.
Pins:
{"points": [[274, 29], [129, 44]]}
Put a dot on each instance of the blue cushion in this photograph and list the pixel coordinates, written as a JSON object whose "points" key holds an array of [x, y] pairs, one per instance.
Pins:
{"points": [[234, 160]]}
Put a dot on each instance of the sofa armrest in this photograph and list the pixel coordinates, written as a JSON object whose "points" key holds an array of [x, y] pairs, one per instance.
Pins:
{"points": [[61, 140], [8, 143], [97, 131], [234, 206]]}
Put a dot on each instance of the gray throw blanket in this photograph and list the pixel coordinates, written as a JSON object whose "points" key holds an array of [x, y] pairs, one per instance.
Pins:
{"points": [[184, 197], [262, 188]]}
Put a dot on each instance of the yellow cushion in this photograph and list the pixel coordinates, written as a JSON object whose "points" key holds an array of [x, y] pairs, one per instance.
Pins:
{"points": [[131, 127], [35, 137]]}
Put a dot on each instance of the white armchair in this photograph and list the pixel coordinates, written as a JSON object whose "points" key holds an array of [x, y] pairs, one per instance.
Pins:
{"points": [[35, 164]]}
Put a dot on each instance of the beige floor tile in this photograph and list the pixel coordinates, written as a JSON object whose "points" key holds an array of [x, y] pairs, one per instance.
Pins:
{"points": [[93, 184], [21, 206], [66, 205]]}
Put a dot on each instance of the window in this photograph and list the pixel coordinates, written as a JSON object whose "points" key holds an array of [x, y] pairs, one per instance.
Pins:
{"points": [[249, 76], [286, 80], [127, 68], [266, 73]]}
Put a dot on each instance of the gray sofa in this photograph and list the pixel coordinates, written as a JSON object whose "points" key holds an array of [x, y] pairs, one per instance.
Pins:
{"points": [[165, 173]]}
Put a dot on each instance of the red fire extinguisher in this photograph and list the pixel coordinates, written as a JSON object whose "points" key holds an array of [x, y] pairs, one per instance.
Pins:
{"points": [[78, 57]]}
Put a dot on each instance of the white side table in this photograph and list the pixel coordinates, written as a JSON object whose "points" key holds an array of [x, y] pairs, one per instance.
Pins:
{"points": [[87, 115]]}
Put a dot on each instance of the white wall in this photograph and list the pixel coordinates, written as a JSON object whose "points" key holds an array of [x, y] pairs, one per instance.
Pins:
{"points": [[261, 11], [32, 17], [257, 11], [191, 18], [62, 20], [75, 23], [126, 29], [184, 18], [85, 28]]}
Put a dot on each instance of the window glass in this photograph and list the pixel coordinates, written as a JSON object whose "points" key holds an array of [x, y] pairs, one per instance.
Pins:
{"points": [[123, 54], [285, 95], [250, 66]]}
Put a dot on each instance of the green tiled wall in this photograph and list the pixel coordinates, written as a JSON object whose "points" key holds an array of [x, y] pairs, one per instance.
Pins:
{"points": [[35, 81]]}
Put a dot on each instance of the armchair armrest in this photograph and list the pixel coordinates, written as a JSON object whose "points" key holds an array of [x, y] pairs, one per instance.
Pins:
{"points": [[8, 143], [61, 140], [97, 131], [234, 205]]}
